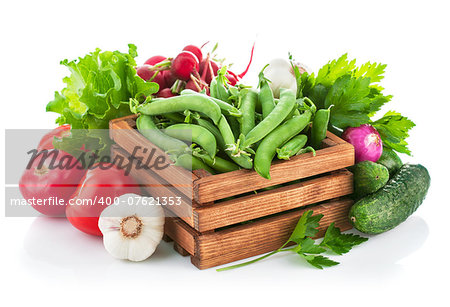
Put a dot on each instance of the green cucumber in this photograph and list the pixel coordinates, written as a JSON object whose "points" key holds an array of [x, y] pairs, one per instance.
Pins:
{"points": [[391, 160], [392, 204], [369, 177]]}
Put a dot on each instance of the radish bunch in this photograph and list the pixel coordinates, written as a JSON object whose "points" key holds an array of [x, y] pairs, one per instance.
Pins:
{"points": [[188, 70]]}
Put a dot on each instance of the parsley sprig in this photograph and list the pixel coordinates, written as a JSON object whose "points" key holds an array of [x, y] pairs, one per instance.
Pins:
{"points": [[307, 248], [356, 95]]}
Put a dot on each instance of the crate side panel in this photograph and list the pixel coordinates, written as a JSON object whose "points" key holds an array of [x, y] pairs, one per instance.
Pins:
{"points": [[306, 165], [265, 235], [241, 209]]}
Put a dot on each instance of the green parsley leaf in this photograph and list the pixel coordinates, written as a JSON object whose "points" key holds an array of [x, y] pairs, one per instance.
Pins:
{"points": [[308, 246], [335, 69], [374, 71], [377, 100], [338, 242], [393, 129], [319, 261], [351, 104], [306, 227]]}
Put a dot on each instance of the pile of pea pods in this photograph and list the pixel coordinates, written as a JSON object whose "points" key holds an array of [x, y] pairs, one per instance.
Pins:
{"points": [[234, 127]]}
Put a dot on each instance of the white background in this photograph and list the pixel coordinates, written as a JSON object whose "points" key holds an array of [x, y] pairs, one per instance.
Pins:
{"points": [[48, 262]]}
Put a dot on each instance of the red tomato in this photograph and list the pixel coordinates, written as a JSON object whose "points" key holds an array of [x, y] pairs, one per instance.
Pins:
{"points": [[56, 180], [47, 140], [97, 191]]}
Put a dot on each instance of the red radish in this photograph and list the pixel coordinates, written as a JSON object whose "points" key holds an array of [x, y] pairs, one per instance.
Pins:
{"points": [[367, 142], [168, 77], [241, 75], [192, 85], [232, 80], [208, 76], [184, 64], [165, 93], [155, 60], [146, 72], [196, 85], [56, 177], [195, 50]]}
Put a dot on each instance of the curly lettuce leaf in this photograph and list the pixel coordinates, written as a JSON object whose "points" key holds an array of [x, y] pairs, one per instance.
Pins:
{"points": [[99, 89]]}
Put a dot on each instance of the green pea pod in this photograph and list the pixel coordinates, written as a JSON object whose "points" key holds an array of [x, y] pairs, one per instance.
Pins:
{"points": [[218, 164], [147, 128], [226, 108], [213, 129], [192, 163], [175, 117], [294, 112], [180, 104], [292, 147], [235, 126], [265, 94], [222, 91], [241, 158], [305, 150], [319, 127], [267, 148], [195, 134], [275, 118], [248, 105], [266, 99], [213, 88]]}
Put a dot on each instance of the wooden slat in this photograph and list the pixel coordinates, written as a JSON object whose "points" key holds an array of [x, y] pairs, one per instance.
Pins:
{"points": [[123, 133], [216, 215], [336, 139], [157, 187], [212, 188], [263, 236], [180, 250], [281, 199], [337, 154], [181, 233]]}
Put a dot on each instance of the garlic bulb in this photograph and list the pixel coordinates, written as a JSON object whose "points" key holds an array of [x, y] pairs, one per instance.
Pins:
{"points": [[131, 231], [281, 75]]}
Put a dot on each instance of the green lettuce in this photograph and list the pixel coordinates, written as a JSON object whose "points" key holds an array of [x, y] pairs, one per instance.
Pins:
{"points": [[99, 89]]}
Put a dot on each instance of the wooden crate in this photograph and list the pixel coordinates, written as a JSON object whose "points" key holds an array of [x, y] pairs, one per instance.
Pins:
{"points": [[214, 229], [238, 242]]}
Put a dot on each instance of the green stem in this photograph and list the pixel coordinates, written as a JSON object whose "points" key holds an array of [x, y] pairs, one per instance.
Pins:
{"points": [[254, 260], [248, 262]]}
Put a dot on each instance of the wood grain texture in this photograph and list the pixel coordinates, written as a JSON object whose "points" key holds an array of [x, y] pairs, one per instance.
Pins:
{"points": [[242, 241], [155, 186], [181, 233], [264, 235], [212, 215], [335, 155], [336, 184], [180, 250], [122, 131], [212, 231], [211, 188]]}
